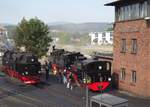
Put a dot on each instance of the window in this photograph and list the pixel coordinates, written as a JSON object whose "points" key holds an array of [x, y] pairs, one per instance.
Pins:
{"points": [[103, 35], [108, 66], [134, 46], [104, 39], [111, 37], [148, 8], [1, 33], [123, 45], [132, 11], [133, 77], [122, 74], [96, 35]]}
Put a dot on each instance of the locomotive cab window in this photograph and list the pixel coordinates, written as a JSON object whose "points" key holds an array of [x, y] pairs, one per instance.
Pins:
{"points": [[108, 66]]}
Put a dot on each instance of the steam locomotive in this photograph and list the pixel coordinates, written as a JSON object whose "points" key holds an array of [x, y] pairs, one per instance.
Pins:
{"points": [[86, 72], [22, 65], [62, 59], [96, 75]]}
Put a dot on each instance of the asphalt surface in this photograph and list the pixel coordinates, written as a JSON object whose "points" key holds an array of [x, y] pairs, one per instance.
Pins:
{"points": [[13, 93]]}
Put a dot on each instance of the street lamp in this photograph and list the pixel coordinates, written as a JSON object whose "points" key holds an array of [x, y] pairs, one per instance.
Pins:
{"points": [[87, 96]]}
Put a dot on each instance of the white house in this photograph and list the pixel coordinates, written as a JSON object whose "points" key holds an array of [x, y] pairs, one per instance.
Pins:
{"points": [[3, 34], [55, 39], [5, 41], [100, 38]]}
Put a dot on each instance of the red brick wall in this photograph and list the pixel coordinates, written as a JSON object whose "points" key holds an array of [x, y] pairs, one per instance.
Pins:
{"points": [[139, 62]]}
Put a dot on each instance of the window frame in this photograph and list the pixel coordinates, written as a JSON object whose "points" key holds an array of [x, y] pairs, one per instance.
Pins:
{"points": [[132, 11], [134, 46], [123, 45], [133, 76], [123, 74]]}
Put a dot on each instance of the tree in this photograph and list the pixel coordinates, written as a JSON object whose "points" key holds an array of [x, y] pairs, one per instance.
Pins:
{"points": [[33, 35]]}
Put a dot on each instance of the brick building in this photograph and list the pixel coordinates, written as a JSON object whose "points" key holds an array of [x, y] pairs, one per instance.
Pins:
{"points": [[132, 45]]}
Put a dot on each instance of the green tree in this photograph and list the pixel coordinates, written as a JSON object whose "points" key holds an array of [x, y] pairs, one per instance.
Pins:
{"points": [[33, 35]]}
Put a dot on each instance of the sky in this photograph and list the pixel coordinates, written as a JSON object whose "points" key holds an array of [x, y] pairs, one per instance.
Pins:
{"points": [[77, 11]]}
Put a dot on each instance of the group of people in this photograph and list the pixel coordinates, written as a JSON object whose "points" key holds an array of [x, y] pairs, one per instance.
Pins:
{"points": [[68, 78], [64, 76]]}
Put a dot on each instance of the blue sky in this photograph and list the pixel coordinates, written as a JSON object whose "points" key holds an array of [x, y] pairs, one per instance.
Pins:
{"points": [[78, 11]]}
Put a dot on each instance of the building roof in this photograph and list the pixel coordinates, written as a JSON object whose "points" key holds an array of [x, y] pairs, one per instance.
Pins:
{"points": [[122, 2], [109, 99]]}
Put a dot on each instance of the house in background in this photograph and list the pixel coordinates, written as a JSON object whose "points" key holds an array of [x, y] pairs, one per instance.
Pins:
{"points": [[3, 34], [5, 42], [131, 55], [55, 40], [100, 38], [3, 38]]}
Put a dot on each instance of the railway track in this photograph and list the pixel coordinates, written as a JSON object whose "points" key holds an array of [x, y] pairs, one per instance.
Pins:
{"points": [[73, 98], [55, 97], [23, 93]]}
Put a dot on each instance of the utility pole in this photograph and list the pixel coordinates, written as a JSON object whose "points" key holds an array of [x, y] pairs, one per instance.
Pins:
{"points": [[87, 91], [100, 87], [87, 97]]}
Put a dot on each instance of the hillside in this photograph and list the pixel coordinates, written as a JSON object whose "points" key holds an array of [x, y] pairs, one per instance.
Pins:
{"points": [[80, 28]]}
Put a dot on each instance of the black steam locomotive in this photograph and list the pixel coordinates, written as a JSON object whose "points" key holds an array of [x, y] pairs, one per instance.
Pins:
{"points": [[62, 59], [86, 72], [22, 65], [94, 74]]}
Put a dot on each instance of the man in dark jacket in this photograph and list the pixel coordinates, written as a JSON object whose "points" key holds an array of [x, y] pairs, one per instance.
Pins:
{"points": [[46, 70]]}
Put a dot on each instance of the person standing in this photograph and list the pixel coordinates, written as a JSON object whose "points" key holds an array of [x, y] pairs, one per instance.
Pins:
{"points": [[64, 74], [49, 66], [60, 75], [46, 70]]}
